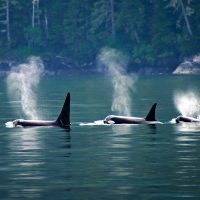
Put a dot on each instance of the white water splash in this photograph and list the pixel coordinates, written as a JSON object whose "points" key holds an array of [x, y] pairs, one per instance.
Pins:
{"points": [[22, 83], [187, 103], [9, 124], [115, 63], [95, 123]]}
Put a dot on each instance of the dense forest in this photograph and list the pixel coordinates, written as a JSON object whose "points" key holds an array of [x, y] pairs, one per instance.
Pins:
{"points": [[149, 31]]}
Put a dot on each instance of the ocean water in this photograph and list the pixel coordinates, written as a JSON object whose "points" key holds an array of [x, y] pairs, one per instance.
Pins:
{"points": [[96, 161]]}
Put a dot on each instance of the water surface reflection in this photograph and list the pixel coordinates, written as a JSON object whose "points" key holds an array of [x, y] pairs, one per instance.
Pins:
{"points": [[188, 127], [30, 155], [187, 170], [25, 163]]}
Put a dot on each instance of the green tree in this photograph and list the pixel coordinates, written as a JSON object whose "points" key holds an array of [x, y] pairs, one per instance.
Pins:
{"points": [[77, 37], [164, 38], [55, 12], [185, 9], [5, 6], [103, 19]]}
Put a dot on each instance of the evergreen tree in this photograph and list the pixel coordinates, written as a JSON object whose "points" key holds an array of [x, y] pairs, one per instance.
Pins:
{"points": [[5, 6], [77, 38], [129, 26], [185, 9], [150, 31], [103, 19], [164, 40]]}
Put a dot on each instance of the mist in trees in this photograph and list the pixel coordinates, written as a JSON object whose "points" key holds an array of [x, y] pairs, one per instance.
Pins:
{"points": [[149, 31]]}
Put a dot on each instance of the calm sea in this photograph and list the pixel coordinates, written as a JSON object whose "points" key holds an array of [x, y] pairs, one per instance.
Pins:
{"points": [[100, 162]]}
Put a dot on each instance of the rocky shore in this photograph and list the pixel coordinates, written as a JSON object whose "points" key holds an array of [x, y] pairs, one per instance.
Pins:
{"points": [[52, 66], [189, 66], [64, 66]]}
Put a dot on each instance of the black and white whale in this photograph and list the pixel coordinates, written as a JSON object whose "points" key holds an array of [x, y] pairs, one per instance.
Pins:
{"points": [[149, 119], [181, 118], [63, 119]]}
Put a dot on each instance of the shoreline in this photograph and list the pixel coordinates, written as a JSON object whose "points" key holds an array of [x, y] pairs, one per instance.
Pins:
{"points": [[65, 66]]}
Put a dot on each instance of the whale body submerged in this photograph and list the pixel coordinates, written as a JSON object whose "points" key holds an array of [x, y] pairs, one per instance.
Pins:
{"points": [[186, 119], [149, 119], [63, 119]]}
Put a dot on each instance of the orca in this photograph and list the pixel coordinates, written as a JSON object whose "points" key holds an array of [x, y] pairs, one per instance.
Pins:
{"points": [[187, 119], [149, 119], [63, 119]]}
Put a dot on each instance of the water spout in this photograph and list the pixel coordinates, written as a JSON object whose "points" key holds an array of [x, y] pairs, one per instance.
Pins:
{"points": [[22, 83], [116, 63]]}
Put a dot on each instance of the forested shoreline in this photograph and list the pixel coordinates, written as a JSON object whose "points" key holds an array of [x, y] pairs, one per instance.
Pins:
{"points": [[159, 34]]}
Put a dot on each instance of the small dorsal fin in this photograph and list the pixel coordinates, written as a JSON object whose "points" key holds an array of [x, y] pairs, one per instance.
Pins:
{"points": [[64, 117], [151, 115]]}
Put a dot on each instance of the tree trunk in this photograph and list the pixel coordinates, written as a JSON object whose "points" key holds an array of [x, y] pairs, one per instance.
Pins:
{"points": [[137, 37], [112, 18], [33, 14], [37, 12], [8, 21], [185, 17], [46, 24]]}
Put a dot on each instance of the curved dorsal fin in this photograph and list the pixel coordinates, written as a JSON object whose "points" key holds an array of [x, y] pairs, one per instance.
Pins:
{"points": [[151, 115]]}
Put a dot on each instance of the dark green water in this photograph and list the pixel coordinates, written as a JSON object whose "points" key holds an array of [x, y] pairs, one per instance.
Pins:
{"points": [[100, 162]]}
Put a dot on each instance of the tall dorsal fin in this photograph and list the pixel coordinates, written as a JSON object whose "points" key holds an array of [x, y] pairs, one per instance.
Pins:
{"points": [[151, 115], [64, 117]]}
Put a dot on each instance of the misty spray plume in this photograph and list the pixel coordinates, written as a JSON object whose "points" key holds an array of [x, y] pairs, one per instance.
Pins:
{"points": [[187, 103], [116, 63], [22, 82]]}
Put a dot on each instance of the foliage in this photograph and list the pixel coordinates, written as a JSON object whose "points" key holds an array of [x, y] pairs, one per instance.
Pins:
{"points": [[33, 36], [146, 30]]}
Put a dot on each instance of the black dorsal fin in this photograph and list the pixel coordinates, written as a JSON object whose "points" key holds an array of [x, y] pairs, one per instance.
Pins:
{"points": [[64, 117], [151, 115]]}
